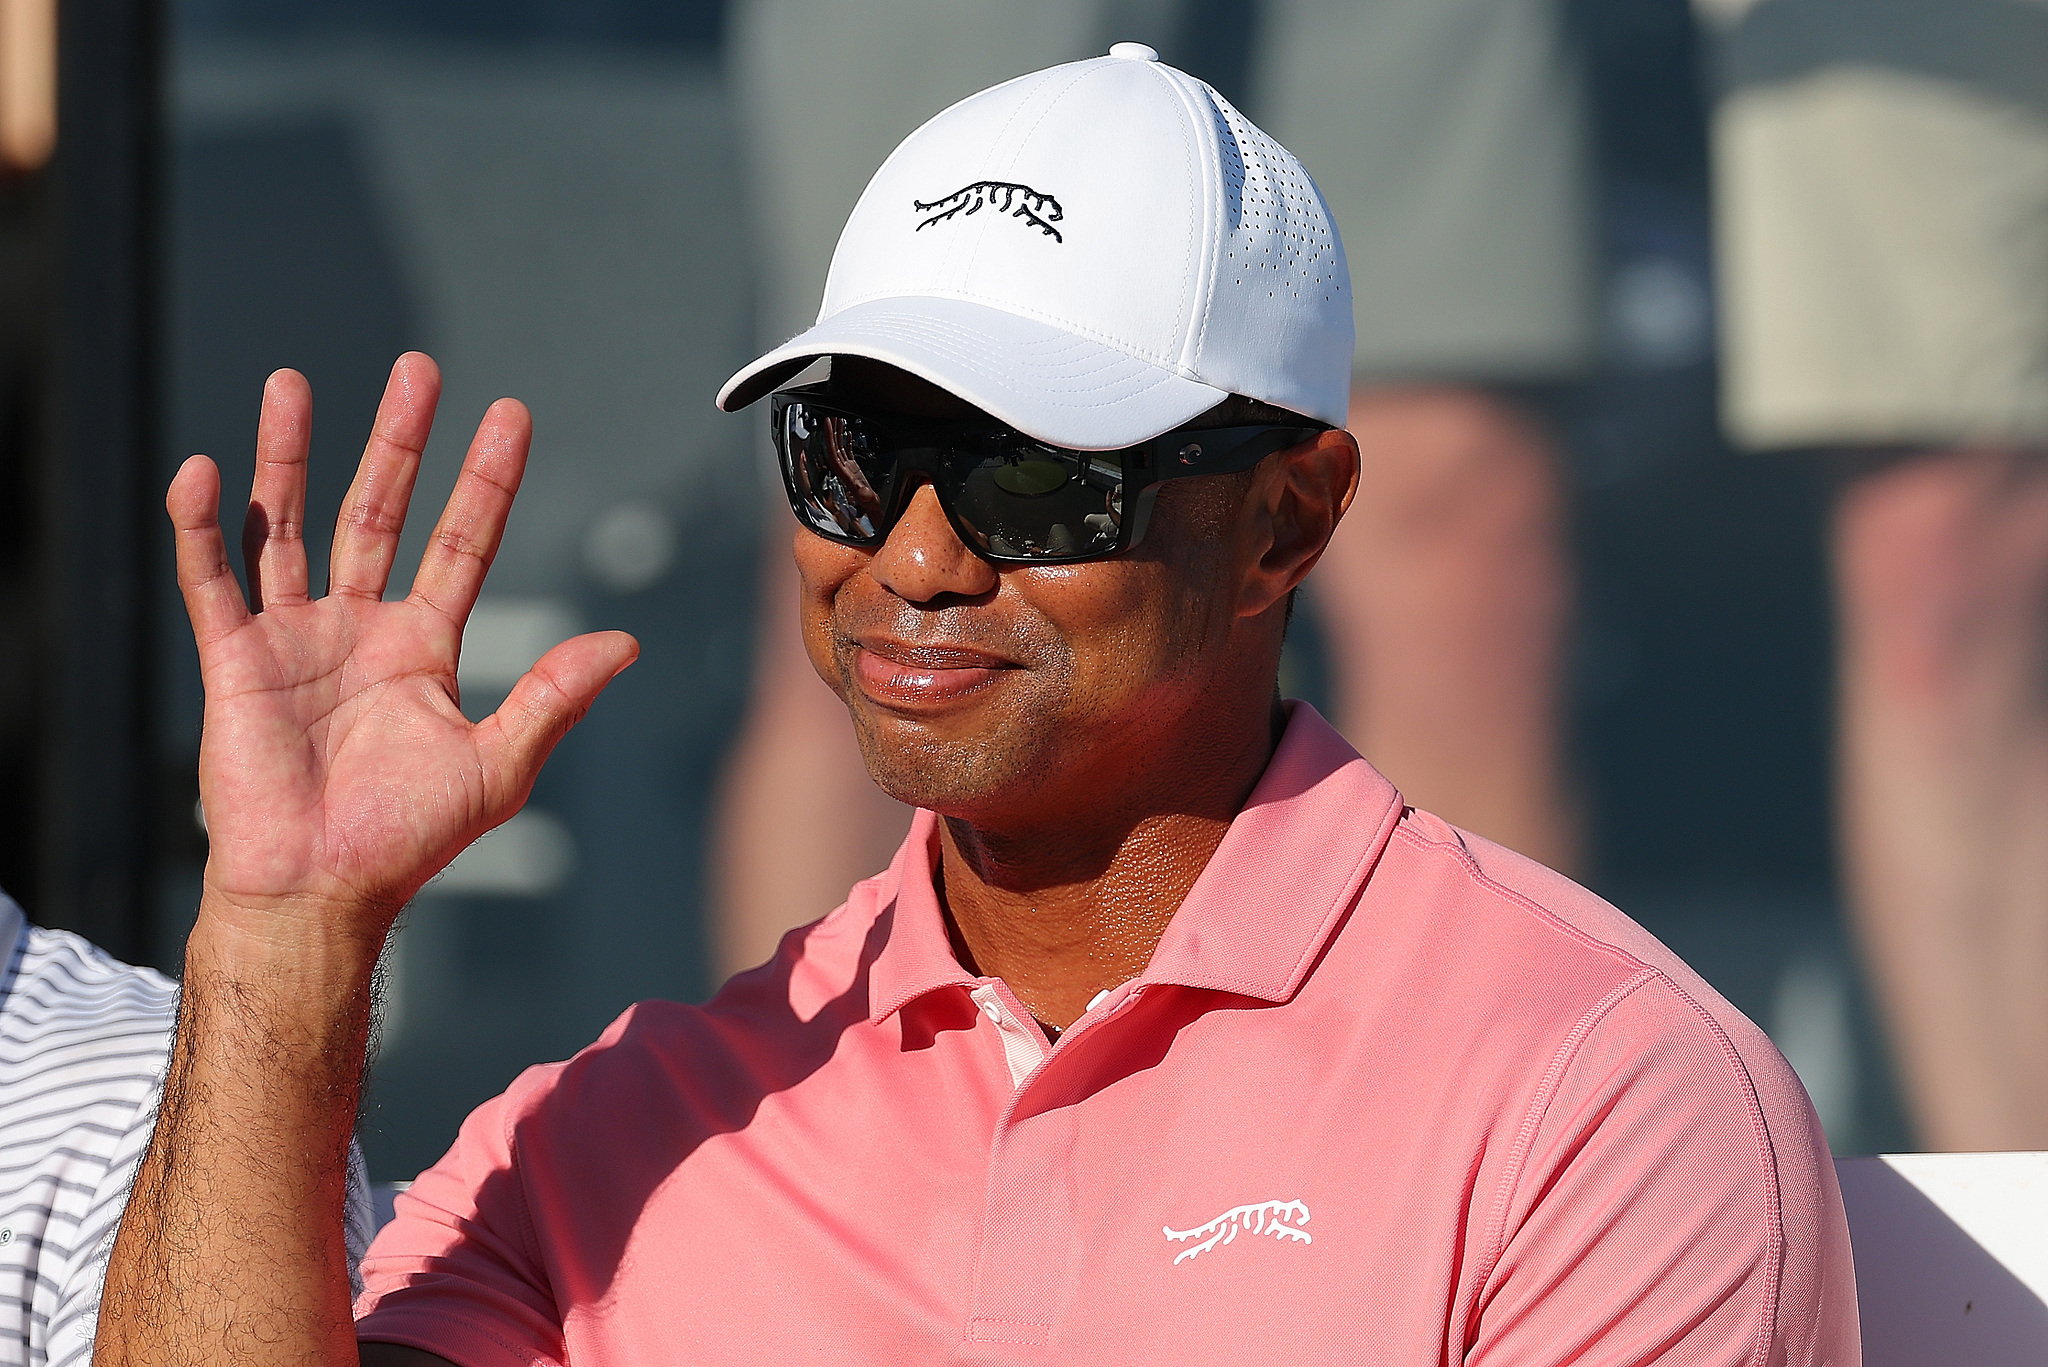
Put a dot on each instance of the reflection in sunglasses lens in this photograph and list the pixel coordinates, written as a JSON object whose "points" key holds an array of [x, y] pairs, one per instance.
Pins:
{"points": [[1037, 504], [832, 462], [1029, 478], [1007, 496]]}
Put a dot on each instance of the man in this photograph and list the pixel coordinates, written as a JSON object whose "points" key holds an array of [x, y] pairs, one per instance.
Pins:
{"points": [[82, 1044], [1171, 1033], [1881, 186], [1449, 139], [83, 1040]]}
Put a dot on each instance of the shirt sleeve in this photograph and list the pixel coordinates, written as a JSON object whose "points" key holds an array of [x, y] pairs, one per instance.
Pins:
{"points": [[456, 1271], [359, 1217], [1675, 1205], [76, 1316]]}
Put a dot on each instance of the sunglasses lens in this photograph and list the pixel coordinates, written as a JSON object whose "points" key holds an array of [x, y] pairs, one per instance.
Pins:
{"points": [[1010, 497], [1030, 502], [837, 471]]}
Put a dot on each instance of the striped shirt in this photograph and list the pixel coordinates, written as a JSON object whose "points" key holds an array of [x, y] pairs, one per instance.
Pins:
{"points": [[83, 1043]]}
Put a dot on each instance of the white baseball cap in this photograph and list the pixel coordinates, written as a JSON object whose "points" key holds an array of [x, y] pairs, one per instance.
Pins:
{"points": [[1094, 254]]}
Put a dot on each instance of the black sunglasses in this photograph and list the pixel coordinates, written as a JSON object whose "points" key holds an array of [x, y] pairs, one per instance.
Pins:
{"points": [[1011, 499]]}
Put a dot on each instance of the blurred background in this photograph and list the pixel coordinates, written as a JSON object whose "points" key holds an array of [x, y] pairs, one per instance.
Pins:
{"points": [[554, 200]]}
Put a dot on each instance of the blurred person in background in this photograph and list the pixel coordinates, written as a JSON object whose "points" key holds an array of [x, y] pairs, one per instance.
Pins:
{"points": [[1882, 241], [83, 1041], [1450, 139]]}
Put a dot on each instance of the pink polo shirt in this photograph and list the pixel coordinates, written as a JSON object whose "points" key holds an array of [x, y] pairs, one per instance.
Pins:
{"points": [[1386, 1093]]}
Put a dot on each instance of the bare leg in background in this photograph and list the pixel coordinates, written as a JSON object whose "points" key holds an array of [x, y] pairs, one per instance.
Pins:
{"points": [[799, 820], [1941, 569], [1446, 597]]}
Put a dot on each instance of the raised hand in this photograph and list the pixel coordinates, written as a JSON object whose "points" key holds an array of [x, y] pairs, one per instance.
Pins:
{"points": [[337, 771], [338, 775]]}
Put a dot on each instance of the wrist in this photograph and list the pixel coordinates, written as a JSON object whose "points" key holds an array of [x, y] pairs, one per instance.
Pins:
{"points": [[305, 942], [257, 1017]]}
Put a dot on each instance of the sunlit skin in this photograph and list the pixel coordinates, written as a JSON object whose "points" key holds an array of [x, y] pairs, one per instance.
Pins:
{"points": [[339, 774], [1087, 731], [313, 704]]}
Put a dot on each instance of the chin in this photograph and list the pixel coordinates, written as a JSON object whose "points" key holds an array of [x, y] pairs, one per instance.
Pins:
{"points": [[968, 776]]}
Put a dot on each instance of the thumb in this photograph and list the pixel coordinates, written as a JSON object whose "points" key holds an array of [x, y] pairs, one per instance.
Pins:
{"points": [[550, 698]]}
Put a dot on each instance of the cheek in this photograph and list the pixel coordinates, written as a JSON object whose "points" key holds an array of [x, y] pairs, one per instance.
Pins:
{"points": [[822, 567], [1131, 628]]}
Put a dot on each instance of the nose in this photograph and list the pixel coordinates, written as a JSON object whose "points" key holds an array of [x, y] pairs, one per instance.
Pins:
{"points": [[924, 557]]}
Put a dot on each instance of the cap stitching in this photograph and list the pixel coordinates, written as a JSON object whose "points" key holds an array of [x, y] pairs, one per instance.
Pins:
{"points": [[945, 339], [1082, 71], [1065, 324], [963, 242], [1081, 329], [1187, 266], [1010, 164], [1227, 229], [951, 348]]}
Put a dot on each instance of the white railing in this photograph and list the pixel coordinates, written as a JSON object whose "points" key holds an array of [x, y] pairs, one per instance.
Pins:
{"points": [[1951, 1257]]}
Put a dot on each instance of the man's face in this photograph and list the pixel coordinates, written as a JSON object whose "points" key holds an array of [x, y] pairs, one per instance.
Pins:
{"points": [[986, 693]]}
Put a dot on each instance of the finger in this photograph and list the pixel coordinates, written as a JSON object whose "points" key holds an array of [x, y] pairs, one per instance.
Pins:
{"points": [[213, 600], [465, 540], [373, 514], [548, 699], [274, 533]]}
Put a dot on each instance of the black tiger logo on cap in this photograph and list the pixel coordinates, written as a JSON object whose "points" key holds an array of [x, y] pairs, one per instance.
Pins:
{"points": [[1035, 207]]}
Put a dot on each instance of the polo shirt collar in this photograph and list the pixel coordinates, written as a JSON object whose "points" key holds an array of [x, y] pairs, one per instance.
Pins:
{"points": [[1289, 868], [918, 957]]}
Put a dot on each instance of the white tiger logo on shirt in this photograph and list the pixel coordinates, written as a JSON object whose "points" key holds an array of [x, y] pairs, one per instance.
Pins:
{"points": [[1281, 1219]]}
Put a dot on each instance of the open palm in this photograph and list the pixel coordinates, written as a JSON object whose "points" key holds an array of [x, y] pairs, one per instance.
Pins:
{"points": [[337, 771]]}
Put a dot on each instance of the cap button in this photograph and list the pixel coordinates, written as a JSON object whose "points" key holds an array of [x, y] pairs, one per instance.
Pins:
{"points": [[1135, 52]]}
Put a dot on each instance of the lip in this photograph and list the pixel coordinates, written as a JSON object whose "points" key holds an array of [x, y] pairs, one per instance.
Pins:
{"points": [[900, 675]]}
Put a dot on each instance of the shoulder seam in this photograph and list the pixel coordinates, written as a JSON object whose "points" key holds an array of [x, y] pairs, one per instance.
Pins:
{"points": [[1521, 899], [1767, 1158], [1766, 1153], [1532, 1120], [1767, 1162]]}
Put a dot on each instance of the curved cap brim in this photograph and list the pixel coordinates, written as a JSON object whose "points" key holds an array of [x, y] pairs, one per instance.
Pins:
{"points": [[1047, 383]]}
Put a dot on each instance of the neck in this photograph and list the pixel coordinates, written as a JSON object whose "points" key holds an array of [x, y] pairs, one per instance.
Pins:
{"points": [[1063, 909]]}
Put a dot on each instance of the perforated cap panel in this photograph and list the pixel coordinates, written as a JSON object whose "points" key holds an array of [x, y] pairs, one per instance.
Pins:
{"points": [[1278, 321], [1279, 237]]}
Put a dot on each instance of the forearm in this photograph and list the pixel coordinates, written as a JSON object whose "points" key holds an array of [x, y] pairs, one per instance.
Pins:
{"points": [[232, 1246], [339, 774]]}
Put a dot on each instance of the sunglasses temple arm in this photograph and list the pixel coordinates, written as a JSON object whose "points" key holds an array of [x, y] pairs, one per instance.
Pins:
{"points": [[1254, 449], [1242, 456]]}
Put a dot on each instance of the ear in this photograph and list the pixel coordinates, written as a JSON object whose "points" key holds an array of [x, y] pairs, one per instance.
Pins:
{"points": [[1296, 498]]}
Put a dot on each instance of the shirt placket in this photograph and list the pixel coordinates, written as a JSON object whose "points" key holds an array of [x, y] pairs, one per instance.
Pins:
{"points": [[1023, 1045], [1029, 1236]]}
